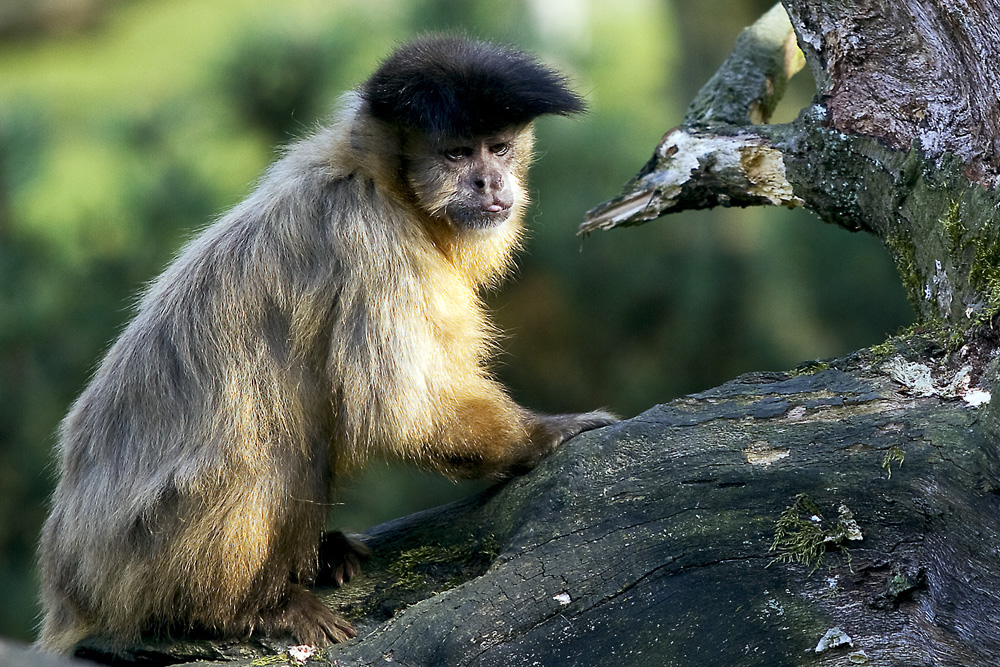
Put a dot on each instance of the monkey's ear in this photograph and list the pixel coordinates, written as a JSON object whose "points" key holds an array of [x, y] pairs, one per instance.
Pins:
{"points": [[451, 86]]}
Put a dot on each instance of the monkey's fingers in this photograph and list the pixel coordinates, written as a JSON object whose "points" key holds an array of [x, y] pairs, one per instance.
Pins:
{"points": [[557, 429], [547, 432], [337, 629], [595, 419], [324, 629]]}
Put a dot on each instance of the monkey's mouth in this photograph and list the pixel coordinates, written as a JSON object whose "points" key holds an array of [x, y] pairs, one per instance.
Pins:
{"points": [[480, 216]]}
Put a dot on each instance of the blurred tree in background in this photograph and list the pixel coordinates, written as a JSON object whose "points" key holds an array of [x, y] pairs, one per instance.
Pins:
{"points": [[125, 127]]}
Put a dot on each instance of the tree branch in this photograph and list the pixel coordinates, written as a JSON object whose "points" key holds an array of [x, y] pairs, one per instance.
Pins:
{"points": [[752, 80], [901, 142], [697, 165]]}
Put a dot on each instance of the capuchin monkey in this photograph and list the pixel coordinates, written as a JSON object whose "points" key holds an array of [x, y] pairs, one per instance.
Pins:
{"points": [[333, 315]]}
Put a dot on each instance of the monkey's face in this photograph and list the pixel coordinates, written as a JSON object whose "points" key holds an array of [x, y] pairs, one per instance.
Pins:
{"points": [[472, 183]]}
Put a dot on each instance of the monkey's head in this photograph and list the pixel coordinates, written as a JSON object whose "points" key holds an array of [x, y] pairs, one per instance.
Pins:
{"points": [[463, 110]]}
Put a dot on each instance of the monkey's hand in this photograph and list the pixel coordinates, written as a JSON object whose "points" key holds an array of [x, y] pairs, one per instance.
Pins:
{"points": [[547, 432], [340, 558]]}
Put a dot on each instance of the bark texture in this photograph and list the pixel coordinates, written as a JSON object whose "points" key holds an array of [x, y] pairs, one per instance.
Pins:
{"points": [[921, 72]]}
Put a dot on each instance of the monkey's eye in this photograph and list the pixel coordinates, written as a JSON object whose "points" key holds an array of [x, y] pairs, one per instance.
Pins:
{"points": [[500, 149], [458, 153]]}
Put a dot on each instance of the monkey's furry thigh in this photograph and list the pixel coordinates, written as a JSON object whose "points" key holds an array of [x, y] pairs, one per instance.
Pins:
{"points": [[223, 570]]}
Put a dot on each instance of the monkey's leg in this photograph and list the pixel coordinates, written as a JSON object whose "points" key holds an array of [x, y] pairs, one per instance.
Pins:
{"points": [[294, 611], [340, 558], [238, 576]]}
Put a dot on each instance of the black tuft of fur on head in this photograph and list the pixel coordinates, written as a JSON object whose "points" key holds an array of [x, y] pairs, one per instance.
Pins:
{"points": [[451, 86]]}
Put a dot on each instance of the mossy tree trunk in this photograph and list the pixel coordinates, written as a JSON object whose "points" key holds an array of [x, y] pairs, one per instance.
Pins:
{"points": [[843, 513]]}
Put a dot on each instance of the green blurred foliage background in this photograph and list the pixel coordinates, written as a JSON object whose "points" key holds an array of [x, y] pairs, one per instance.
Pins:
{"points": [[126, 126]]}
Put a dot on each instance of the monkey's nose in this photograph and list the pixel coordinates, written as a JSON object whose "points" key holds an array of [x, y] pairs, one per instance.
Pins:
{"points": [[486, 183]]}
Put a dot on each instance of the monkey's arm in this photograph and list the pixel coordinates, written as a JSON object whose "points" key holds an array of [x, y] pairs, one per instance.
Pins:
{"points": [[489, 435]]}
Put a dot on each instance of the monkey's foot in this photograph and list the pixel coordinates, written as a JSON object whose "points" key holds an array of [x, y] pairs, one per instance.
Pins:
{"points": [[307, 620], [340, 558]]}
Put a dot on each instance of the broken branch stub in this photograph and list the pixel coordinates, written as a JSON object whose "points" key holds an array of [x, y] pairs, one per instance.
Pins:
{"points": [[698, 169], [700, 165]]}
